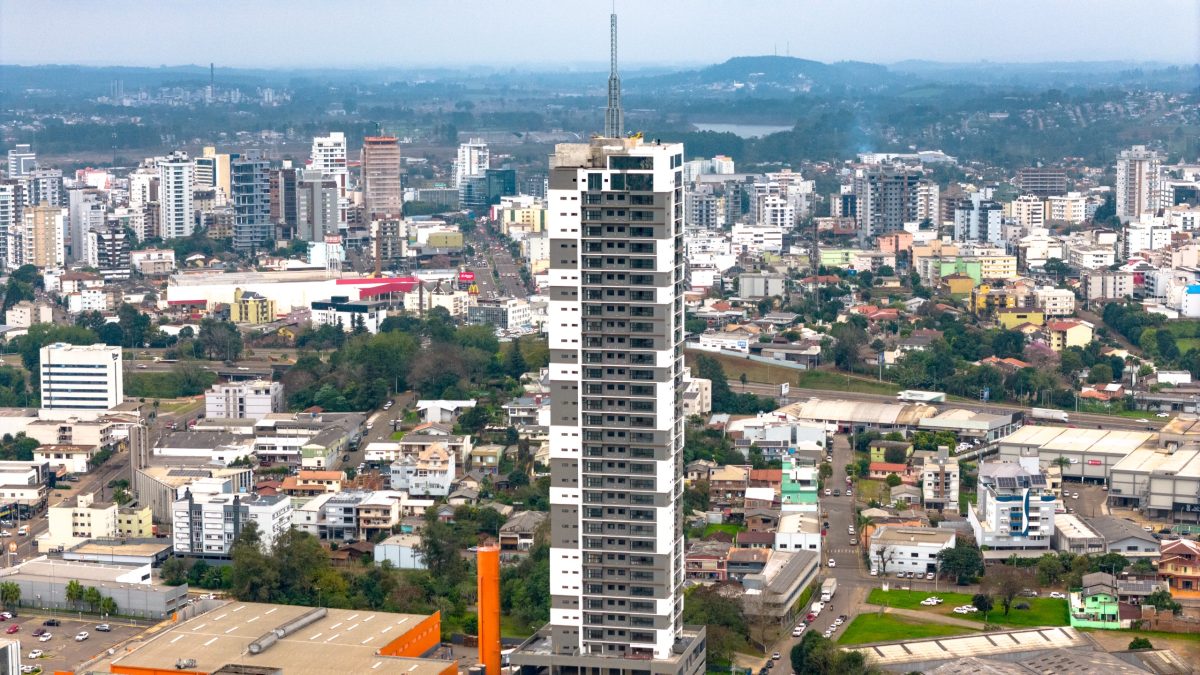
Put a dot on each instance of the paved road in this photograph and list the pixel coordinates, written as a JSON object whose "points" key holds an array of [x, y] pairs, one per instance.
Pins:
{"points": [[1084, 420]]}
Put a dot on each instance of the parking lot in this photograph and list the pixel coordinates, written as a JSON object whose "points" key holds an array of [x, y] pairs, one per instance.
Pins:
{"points": [[61, 651]]}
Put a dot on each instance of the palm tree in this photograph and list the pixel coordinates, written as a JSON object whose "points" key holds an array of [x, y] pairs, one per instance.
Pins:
{"points": [[93, 598], [74, 592], [10, 594], [108, 606]]}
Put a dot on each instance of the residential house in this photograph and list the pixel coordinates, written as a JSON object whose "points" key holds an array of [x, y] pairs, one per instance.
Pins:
{"points": [[879, 449], [442, 411], [426, 474], [517, 535], [486, 458], [1124, 537], [1011, 317], [743, 561], [909, 495], [881, 470], [727, 489], [531, 410], [1179, 564], [1068, 333], [697, 471], [705, 559], [1096, 603], [761, 519], [308, 484], [940, 481]]}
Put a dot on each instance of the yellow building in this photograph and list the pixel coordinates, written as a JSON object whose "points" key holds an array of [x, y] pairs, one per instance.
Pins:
{"points": [[997, 266], [528, 219], [1064, 334], [251, 307], [959, 284], [445, 239], [985, 299], [135, 523], [1010, 318]]}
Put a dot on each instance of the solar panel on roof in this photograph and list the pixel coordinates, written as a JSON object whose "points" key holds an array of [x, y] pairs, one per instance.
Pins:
{"points": [[1006, 481], [190, 473], [1038, 480]]}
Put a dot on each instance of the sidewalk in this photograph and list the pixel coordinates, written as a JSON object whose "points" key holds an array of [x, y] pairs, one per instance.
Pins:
{"points": [[928, 617]]}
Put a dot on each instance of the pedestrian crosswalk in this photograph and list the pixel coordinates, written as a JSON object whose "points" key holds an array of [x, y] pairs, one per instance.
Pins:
{"points": [[841, 550]]}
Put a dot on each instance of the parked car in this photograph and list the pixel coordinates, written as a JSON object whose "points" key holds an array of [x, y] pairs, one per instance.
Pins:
{"points": [[5, 533], [1057, 595], [832, 562], [828, 492], [798, 630], [51, 622], [104, 628], [6, 615], [39, 632], [874, 571], [776, 656], [45, 637], [13, 628], [837, 493], [929, 576], [35, 654], [81, 636]]}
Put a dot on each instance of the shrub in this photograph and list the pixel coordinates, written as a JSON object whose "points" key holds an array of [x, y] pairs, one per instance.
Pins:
{"points": [[1021, 605], [1140, 643]]}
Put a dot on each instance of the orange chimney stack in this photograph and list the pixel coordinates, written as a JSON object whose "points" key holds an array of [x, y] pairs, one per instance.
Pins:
{"points": [[487, 563]]}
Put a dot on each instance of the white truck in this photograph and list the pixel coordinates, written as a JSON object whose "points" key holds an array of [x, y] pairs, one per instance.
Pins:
{"points": [[828, 588], [1048, 414], [915, 396]]}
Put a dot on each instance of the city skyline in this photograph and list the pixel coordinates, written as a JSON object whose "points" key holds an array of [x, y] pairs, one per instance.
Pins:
{"points": [[1161, 31]]}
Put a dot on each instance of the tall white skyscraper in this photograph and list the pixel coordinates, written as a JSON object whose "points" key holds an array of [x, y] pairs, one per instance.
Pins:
{"points": [[616, 436], [176, 178], [474, 158], [86, 212], [81, 377], [1137, 182], [11, 223], [329, 157]]}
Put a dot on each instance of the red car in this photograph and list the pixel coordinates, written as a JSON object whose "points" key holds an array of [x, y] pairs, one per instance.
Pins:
{"points": [[13, 628]]}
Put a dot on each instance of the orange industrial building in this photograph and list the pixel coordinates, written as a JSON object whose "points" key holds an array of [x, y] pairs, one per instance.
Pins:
{"points": [[293, 640]]}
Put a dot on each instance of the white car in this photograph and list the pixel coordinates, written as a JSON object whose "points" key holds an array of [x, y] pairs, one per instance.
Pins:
{"points": [[960, 610], [45, 637], [1056, 594], [35, 654], [832, 562], [1075, 495], [929, 576], [874, 572], [1162, 415], [798, 631], [849, 492], [5, 533], [81, 636], [828, 632], [828, 492]]}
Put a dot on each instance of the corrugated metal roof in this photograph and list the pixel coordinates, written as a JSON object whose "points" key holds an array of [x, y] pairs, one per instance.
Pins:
{"points": [[860, 412]]}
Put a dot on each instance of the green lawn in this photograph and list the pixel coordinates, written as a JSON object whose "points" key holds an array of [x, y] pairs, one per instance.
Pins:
{"points": [[823, 379], [887, 627], [1041, 612], [1152, 635], [1185, 344], [871, 489], [727, 528], [398, 435]]}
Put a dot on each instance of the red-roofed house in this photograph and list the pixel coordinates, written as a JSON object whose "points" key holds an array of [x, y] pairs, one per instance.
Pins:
{"points": [[881, 470]]}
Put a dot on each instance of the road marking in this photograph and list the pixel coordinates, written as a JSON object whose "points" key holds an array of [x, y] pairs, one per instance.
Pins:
{"points": [[178, 638], [239, 608], [210, 642], [200, 626], [316, 636]]}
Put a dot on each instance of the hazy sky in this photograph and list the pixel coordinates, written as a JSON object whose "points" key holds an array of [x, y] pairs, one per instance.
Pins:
{"points": [[552, 33]]}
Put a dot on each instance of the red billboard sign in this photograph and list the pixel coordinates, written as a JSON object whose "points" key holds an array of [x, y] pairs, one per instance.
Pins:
{"points": [[466, 277], [1094, 462]]}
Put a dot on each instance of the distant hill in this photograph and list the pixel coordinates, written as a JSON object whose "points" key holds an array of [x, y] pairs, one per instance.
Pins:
{"points": [[765, 73]]}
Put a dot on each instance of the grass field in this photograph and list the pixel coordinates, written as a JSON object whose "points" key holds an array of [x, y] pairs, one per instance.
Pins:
{"points": [[807, 379], [871, 489], [887, 627], [1149, 634], [1041, 612], [727, 528]]}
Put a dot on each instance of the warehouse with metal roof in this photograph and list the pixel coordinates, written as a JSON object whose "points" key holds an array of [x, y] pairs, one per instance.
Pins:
{"points": [[1090, 453], [861, 415]]}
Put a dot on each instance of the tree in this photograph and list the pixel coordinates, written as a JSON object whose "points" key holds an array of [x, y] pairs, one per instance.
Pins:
{"points": [[174, 571], [108, 606], [10, 594], [1101, 373], [1113, 563], [963, 562], [893, 480], [1049, 570], [254, 577], [1160, 600], [983, 603], [885, 555], [74, 592], [1005, 583], [1140, 643], [93, 598], [895, 455]]}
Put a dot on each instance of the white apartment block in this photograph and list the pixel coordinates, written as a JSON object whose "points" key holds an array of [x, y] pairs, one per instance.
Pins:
{"points": [[176, 180], [1029, 211], [1137, 182], [328, 155], [153, 261], [81, 377], [754, 239], [205, 525], [243, 400], [1090, 256], [929, 202], [908, 549], [939, 481], [1015, 510], [978, 218], [1069, 208], [1146, 234], [1055, 301], [474, 158], [76, 520], [87, 300]]}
